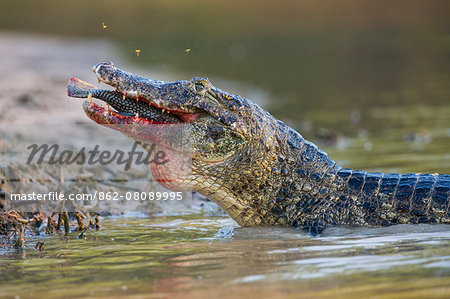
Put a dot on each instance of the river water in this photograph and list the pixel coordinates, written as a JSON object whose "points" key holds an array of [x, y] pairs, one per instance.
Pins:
{"points": [[199, 256]]}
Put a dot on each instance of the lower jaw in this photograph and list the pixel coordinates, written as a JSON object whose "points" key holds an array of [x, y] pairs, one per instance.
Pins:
{"points": [[175, 175]]}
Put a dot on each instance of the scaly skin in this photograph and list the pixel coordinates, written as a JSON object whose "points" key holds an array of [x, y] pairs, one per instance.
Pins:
{"points": [[260, 171]]}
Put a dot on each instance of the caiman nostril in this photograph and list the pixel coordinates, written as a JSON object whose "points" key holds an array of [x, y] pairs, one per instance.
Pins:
{"points": [[97, 67]]}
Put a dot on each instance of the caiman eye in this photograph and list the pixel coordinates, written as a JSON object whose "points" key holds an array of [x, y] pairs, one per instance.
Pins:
{"points": [[199, 87]]}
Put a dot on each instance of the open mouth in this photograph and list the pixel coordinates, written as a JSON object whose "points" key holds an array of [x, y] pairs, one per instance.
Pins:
{"points": [[124, 107], [136, 99]]}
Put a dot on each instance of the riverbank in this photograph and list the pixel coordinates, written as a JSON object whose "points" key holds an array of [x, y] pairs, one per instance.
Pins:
{"points": [[34, 71]]}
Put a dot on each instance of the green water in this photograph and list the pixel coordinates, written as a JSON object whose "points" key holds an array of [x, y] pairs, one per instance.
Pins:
{"points": [[201, 256]]}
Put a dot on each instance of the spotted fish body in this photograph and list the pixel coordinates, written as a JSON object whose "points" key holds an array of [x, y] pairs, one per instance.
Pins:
{"points": [[115, 99]]}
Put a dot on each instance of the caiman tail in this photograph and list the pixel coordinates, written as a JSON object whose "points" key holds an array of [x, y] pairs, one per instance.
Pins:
{"points": [[385, 199], [315, 193]]}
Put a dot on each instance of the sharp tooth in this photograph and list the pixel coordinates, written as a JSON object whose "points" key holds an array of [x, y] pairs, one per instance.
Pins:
{"points": [[90, 97], [124, 97], [99, 81], [164, 110], [107, 107], [137, 115]]}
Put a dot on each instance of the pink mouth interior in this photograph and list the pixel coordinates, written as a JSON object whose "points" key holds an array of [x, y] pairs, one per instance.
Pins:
{"points": [[102, 115]]}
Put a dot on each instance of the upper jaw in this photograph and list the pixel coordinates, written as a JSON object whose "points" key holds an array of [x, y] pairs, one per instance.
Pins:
{"points": [[172, 96], [140, 88]]}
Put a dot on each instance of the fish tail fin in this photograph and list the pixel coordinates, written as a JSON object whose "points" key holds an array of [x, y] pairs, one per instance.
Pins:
{"points": [[78, 88]]}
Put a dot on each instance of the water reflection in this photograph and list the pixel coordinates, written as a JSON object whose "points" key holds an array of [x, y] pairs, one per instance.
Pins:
{"points": [[185, 255]]}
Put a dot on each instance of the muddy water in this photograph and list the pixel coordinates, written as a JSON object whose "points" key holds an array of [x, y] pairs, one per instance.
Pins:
{"points": [[198, 255]]}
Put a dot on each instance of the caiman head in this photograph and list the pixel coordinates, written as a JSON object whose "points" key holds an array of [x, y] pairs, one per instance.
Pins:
{"points": [[232, 144]]}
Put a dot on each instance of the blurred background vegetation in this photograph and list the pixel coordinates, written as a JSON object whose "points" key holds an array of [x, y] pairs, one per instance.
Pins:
{"points": [[326, 62]]}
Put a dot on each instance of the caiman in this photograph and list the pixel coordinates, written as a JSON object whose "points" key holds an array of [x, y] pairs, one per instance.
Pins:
{"points": [[259, 170]]}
